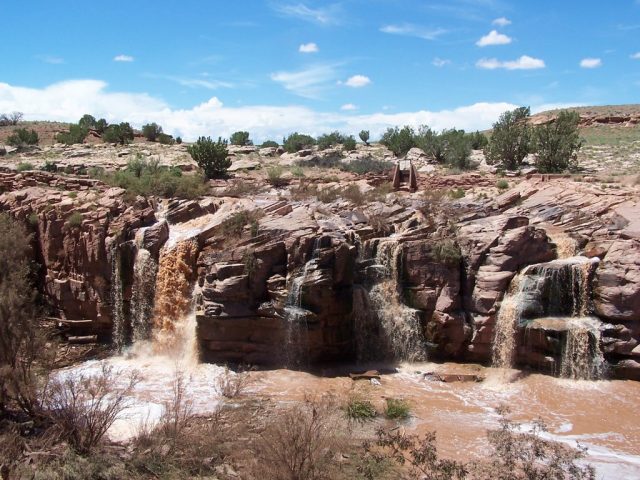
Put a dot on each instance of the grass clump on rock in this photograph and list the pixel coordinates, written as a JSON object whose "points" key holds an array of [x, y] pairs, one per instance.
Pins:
{"points": [[360, 410], [397, 409]]}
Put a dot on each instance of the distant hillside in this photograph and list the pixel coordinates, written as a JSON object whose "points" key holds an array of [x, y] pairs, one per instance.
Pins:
{"points": [[617, 115], [46, 130]]}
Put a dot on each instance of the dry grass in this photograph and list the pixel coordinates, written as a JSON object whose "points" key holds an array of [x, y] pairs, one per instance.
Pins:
{"points": [[232, 385]]}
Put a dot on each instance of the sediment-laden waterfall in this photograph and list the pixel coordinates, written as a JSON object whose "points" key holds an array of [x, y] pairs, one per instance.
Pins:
{"points": [[504, 340], [145, 269], [399, 333], [119, 336], [581, 355]]}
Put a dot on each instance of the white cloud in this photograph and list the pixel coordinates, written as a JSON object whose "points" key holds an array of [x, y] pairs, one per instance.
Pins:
{"points": [[440, 62], [636, 56], [51, 59], [501, 22], [123, 58], [348, 107], [357, 81], [308, 48], [308, 83], [590, 63], [68, 101], [329, 15], [493, 38], [193, 82], [525, 62], [411, 30]]}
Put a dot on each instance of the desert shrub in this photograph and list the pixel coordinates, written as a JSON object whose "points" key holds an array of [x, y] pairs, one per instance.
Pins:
{"points": [[121, 133], [12, 118], [446, 251], [360, 410], [353, 194], [397, 409], [240, 138], [451, 147], [83, 407], [502, 184], [557, 143], [297, 141], [23, 137], [151, 131], [101, 125], [328, 195], [24, 166], [50, 167], [367, 165], [298, 443], [349, 143], [21, 341], [179, 140], [274, 176], [231, 384], [379, 193], [457, 193], [477, 140], [177, 412], [72, 195], [87, 121], [211, 157], [332, 160], [510, 139], [76, 134], [75, 219], [234, 225], [328, 140], [166, 139], [399, 141], [364, 136], [297, 171], [269, 143]]}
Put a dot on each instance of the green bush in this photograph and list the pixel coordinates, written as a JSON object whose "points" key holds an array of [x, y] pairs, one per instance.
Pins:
{"points": [[166, 139], [121, 133], [510, 139], [101, 125], [334, 139], [269, 143], [234, 225], [364, 136], [297, 141], [557, 143], [502, 184], [24, 166], [399, 141], [397, 409], [446, 251], [451, 147], [349, 143], [75, 219], [87, 121], [477, 140], [274, 176], [360, 410], [151, 131], [211, 157], [76, 134], [22, 137], [457, 193], [297, 171], [179, 140], [366, 165], [240, 138], [50, 167]]}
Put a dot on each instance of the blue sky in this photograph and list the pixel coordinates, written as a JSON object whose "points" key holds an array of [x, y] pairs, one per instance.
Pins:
{"points": [[206, 67]]}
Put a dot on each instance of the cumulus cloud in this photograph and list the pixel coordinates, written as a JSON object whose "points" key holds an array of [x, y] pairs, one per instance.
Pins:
{"points": [[123, 58], [440, 62], [348, 107], [636, 56], [590, 63], [501, 22], [309, 82], [410, 30], [308, 48], [358, 81], [493, 38], [68, 101], [525, 62]]}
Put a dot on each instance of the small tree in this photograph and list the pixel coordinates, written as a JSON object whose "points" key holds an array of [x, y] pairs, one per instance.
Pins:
{"points": [[179, 140], [122, 134], [22, 137], [510, 139], [151, 131], [297, 141], [212, 157], [557, 143], [431, 143], [478, 140], [457, 148], [76, 134], [269, 143], [12, 118], [349, 143], [101, 125], [399, 141], [240, 138], [87, 121], [166, 139], [364, 136]]}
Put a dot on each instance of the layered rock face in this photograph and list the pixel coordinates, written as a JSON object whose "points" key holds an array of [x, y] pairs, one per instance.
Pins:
{"points": [[309, 282]]}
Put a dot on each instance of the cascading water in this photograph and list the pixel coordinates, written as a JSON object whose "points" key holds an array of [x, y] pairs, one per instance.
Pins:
{"points": [[117, 301], [559, 292], [400, 330], [145, 269]]}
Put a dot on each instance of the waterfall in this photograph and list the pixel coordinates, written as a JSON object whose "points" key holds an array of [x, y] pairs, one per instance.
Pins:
{"points": [[504, 340], [145, 269], [117, 300], [581, 355], [400, 327]]}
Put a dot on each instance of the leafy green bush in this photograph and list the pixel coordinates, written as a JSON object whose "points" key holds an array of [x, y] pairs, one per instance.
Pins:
{"points": [[366, 165], [399, 141], [510, 139], [451, 146], [76, 134], [211, 157], [477, 140], [87, 121], [179, 140], [297, 171], [151, 131], [101, 125], [24, 166], [502, 184], [557, 143], [22, 137], [297, 141], [121, 133], [360, 410], [397, 409], [334, 139], [269, 143], [349, 143], [75, 219], [240, 138], [234, 225], [364, 136], [50, 167], [166, 139]]}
